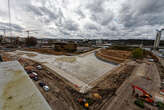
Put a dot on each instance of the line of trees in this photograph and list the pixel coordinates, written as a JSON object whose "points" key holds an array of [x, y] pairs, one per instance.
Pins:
{"points": [[31, 41]]}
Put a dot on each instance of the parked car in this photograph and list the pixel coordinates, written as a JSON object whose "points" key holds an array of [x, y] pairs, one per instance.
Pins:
{"points": [[151, 60], [35, 73], [39, 67], [33, 76], [28, 71], [44, 86], [41, 84]]}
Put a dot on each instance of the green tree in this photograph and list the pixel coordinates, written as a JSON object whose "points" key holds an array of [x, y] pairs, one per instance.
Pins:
{"points": [[138, 53]]}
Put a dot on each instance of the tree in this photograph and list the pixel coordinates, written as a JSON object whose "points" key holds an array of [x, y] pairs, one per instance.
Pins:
{"points": [[138, 53], [31, 41]]}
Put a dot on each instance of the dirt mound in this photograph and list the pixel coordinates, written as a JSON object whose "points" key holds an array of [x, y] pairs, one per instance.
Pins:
{"points": [[116, 56]]}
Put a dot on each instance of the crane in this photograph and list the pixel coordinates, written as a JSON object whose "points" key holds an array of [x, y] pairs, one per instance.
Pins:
{"points": [[158, 38]]}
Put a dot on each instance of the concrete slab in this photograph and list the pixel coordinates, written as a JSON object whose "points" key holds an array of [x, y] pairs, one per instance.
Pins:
{"points": [[17, 91], [80, 70]]}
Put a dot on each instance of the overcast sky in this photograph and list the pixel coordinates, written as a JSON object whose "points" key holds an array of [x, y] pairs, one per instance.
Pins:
{"points": [[111, 19]]}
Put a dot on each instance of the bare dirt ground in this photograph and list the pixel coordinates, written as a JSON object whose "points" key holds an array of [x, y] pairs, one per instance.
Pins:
{"points": [[63, 97], [115, 90], [46, 51], [124, 99], [116, 56], [53, 52]]}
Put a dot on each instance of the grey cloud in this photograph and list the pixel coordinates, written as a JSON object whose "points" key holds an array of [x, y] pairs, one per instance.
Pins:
{"points": [[103, 18], [15, 27], [106, 34], [139, 13], [98, 13], [2, 13], [34, 10], [71, 25], [44, 14], [149, 6], [64, 32], [80, 13], [99, 20], [96, 6], [49, 34], [90, 26], [46, 11]]}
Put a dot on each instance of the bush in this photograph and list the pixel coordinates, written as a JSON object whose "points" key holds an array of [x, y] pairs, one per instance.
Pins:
{"points": [[139, 103], [138, 53], [160, 105]]}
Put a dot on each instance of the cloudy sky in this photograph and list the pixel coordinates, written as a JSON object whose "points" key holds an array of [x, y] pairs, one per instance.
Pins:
{"points": [[111, 19]]}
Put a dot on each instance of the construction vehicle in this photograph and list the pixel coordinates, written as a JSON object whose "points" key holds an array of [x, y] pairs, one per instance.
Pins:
{"points": [[145, 96], [85, 102]]}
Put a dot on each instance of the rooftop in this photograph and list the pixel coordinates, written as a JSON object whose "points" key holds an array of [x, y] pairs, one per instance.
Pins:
{"points": [[18, 92]]}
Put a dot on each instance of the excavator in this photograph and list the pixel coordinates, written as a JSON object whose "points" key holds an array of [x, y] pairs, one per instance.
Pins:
{"points": [[145, 96]]}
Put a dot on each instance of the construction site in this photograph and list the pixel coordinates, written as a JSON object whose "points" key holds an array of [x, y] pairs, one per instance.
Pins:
{"points": [[97, 79], [81, 55]]}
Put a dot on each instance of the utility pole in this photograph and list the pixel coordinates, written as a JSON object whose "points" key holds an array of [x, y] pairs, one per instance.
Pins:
{"points": [[9, 12]]}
